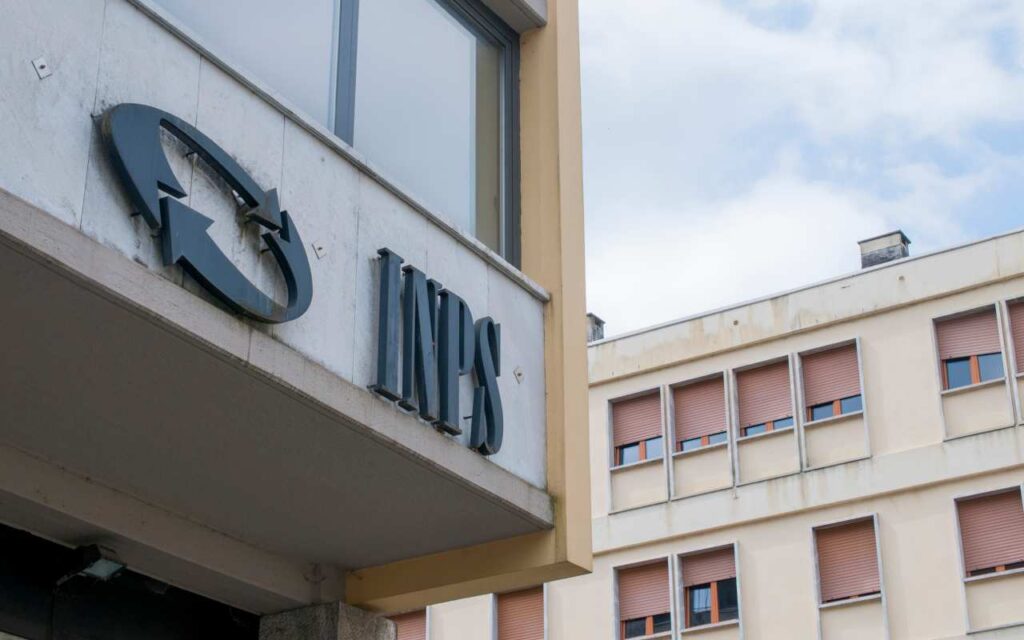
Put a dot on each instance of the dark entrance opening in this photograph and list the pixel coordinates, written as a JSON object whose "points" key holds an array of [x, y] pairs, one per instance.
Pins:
{"points": [[129, 606]]}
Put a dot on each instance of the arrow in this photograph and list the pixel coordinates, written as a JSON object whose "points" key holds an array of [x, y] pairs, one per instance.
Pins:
{"points": [[132, 132], [185, 242]]}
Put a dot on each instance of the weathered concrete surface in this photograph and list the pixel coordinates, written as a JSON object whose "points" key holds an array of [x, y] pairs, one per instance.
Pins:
{"points": [[331, 621]]}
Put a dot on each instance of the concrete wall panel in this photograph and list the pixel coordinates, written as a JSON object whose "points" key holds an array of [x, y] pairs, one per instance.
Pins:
{"points": [[996, 601], [46, 123], [467, 619], [977, 409], [768, 456], [638, 485], [864, 620], [701, 470], [836, 441]]}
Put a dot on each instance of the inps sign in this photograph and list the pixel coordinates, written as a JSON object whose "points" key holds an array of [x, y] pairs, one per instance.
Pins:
{"points": [[440, 342]]}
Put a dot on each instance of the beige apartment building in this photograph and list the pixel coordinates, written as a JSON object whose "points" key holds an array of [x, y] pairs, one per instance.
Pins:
{"points": [[843, 460]]}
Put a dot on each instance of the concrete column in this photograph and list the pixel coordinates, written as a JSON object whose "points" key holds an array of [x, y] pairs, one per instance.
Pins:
{"points": [[332, 621]]}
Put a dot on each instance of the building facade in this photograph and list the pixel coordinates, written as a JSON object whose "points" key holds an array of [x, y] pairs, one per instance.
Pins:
{"points": [[295, 311], [844, 460]]}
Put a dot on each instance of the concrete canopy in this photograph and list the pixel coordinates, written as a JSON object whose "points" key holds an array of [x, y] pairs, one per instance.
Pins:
{"points": [[111, 373]]}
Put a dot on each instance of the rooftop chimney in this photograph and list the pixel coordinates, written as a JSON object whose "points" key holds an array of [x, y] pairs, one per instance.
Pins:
{"points": [[595, 328], [884, 248]]}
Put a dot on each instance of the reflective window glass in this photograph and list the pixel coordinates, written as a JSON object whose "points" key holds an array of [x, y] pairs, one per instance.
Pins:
{"points": [[636, 628], [821, 411], [655, 448], [291, 51], [782, 423], [428, 110], [662, 623], [629, 454], [755, 429], [699, 605], [691, 444], [717, 438], [958, 372], [851, 404], [990, 366], [728, 602]]}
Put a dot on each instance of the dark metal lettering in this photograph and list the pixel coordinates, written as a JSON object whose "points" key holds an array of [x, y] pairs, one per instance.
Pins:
{"points": [[388, 310], [488, 417], [454, 349], [419, 361]]}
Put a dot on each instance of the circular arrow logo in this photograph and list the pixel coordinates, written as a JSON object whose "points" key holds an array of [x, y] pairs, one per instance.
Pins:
{"points": [[132, 132]]}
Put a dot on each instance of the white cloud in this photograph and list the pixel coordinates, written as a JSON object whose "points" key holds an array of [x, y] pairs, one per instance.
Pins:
{"points": [[727, 157]]}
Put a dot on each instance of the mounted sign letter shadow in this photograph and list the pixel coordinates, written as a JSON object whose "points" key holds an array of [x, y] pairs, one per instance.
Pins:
{"points": [[432, 329], [132, 132]]}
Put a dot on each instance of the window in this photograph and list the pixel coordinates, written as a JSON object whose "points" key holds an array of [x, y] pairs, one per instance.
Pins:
{"points": [[847, 560], [636, 429], [411, 626], [765, 403], [771, 425], [521, 615], [1016, 313], [426, 89], [969, 349], [709, 588], [831, 380], [700, 414], [992, 532], [644, 600]]}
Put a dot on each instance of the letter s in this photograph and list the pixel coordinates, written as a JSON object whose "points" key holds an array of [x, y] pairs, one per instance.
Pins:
{"points": [[488, 418]]}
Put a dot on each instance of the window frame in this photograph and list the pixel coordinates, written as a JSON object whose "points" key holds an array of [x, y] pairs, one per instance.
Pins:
{"points": [[837, 408], [642, 453], [714, 604], [648, 626], [484, 24], [769, 427], [680, 593], [974, 364]]}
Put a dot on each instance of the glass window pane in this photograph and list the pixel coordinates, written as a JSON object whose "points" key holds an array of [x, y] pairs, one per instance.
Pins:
{"points": [[717, 438], [636, 628], [662, 622], [691, 444], [755, 429], [700, 605], [990, 365], [821, 411], [782, 423], [851, 404], [728, 603], [958, 372], [428, 110], [655, 448], [629, 453], [290, 51]]}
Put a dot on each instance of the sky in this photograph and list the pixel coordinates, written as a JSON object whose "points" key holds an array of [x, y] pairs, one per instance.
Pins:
{"points": [[736, 148]]}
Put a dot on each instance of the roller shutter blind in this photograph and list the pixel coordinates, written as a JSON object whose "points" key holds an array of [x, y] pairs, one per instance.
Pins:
{"points": [[968, 335], [764, 394], [847, 560], [636, 419], [712, 566], [643, 591], [699, 409], [1017, 333], [992, 530], [411, 626], [521, 615], [831, 375]]}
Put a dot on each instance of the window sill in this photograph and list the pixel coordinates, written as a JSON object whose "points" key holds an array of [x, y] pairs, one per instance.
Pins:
{"points": [[850, 601], [634, 465], [654, 636], [694, 631], [834, 419], [972, 387], [276, 101], [700, 450], [995, 575], [766, 434], [1001, 627]]}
